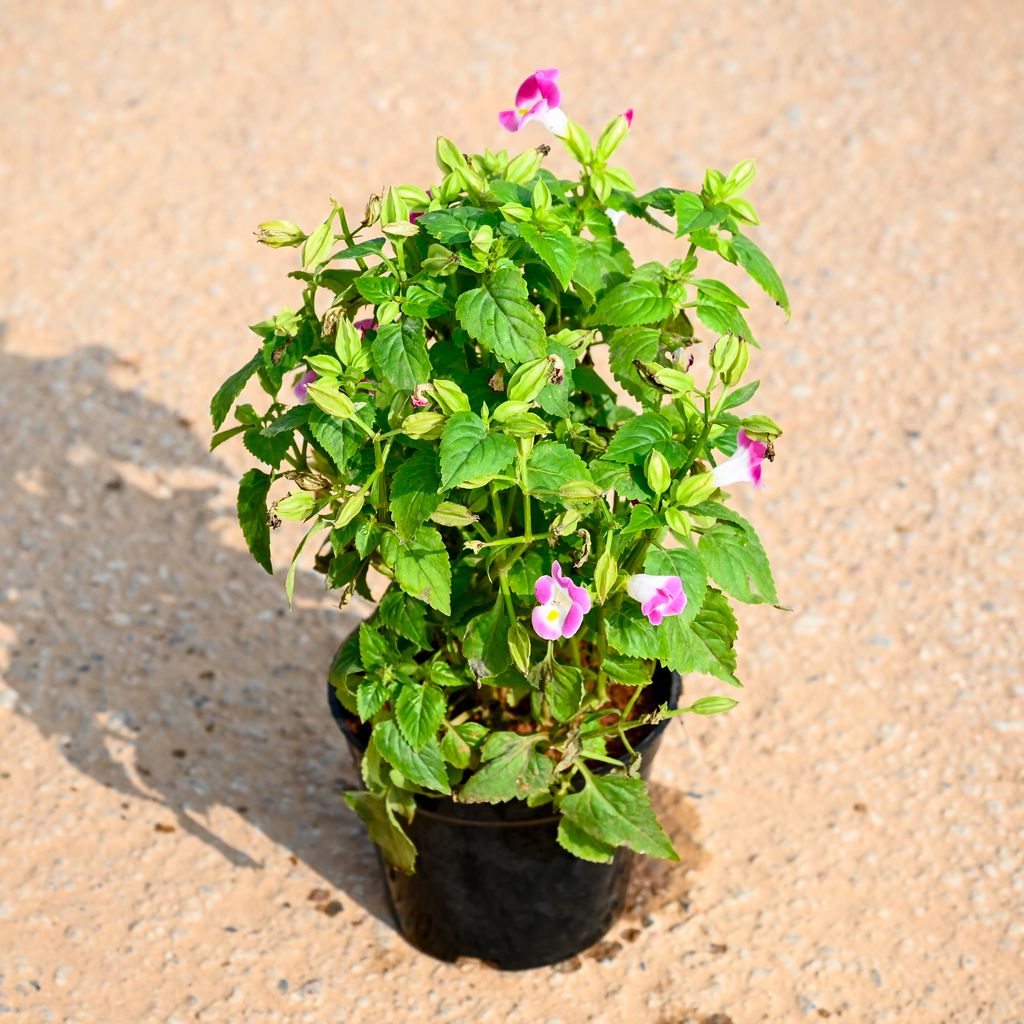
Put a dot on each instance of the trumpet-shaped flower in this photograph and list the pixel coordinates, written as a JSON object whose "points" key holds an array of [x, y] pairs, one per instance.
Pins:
{"points": [[659, 596], [362, 326], [302, 384], [562, 605], [538, 99], [745, 465]]}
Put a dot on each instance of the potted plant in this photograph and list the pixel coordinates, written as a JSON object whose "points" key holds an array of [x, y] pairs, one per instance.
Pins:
{"points": [[547, 555]]}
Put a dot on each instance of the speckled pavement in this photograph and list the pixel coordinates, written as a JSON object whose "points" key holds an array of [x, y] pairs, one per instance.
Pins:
{"points": [[174, 847]]}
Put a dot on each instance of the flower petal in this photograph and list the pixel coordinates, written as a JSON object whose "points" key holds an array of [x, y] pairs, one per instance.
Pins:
{"points": [[544, 589], [544, 627]]}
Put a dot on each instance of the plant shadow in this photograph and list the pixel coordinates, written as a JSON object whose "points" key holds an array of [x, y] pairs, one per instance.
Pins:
{"points": [[140, 636]]}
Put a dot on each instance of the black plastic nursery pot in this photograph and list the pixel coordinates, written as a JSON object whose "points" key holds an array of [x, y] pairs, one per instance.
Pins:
{"points": [[491, 881]]}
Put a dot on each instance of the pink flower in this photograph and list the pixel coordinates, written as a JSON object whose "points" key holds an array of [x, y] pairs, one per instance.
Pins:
{"points": [[628, 115], [362, 326], [744, 466], [562, 605], [538, 98], [658, 595], [302, 384], [419, 399]]}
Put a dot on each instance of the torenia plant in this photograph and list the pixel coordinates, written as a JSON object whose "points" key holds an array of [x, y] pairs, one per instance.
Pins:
{"points": [[439, 420]]}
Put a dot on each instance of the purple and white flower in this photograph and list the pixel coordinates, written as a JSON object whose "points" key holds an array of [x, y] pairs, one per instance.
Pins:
{"points": [[745, 466], [659, 596], [538, 99], [562, 605], [302, 385]]}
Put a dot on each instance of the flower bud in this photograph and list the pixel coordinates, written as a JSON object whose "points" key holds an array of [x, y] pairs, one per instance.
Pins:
{"points": [[566, 523], [529, 380], [605, 575], [611, 138], [449, 396], [423, 426], [541, 195], [519, 647], [678, 522], [296, 506], [524, 167], [449, 513], [394, 208], [580, 490], [440, 262], [666, 379], [761, 428], [278, 233], [658, 472], [350, 510], [326, 394], [449, 156], [729, 357], [372, 212], [694, 489]]}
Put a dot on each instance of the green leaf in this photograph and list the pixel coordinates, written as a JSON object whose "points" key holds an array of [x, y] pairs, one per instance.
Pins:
{"points": [[383, 828], [425, 767], [583, 845], [289, 580], [627, 671], [415, 492], [468, 451], [252, 515], [330, 432], [499, 315], [632, 303], [553, 464], [759, 267], [405, 616], [371, 695], [400, 354], [618, 811], [565, 692], [419, 712], [270, 450], [220, 404], [376, 289], [723, 319], [374, 650], [706, 645], [423, 570], [453, 227], [718, 292], [512, 769], [485, 645], [737, 562], [460, 741], [636, 437], [740, 395], [626, 345], [288, 421], [318, 245], [692, 215], [371, 247], [688, 566], [555, 248]]}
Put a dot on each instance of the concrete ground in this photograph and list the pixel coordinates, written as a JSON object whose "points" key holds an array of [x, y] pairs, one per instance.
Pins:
{"points": [[173, 844]]}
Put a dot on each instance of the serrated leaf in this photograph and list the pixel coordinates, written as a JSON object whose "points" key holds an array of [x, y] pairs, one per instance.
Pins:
{"points": [[723, 319], [376, 289], [383, 828], [374, 650], [469, 451], [737, 562], [627, 671], [220, 404], [400, 354], [252, 515], [453, 227], [270, 450], [371, 695], [632, 303], [512, 769], [618, 812], [707, 645], [419, 712], [415, 492], [583, 845], [289, 420], [423, 569], [636, 437], [425, 766], [760, 268], [565, 692], [552, 464], [331, 434], [460, 741], [499, 315], [485, 645], [405, 616], [556, 249]]}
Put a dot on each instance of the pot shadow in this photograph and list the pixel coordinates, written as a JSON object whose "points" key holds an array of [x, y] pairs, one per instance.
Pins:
{"points": [[161, 659]]}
